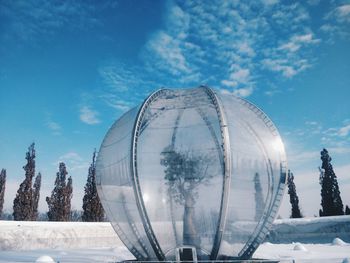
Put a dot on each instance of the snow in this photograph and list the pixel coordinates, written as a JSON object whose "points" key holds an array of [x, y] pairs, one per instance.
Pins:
{"points": [[116, 254], [30, 235], [311, 230], [299, 247], [45, 259], [97, 242], [338, 242], [313, 253]]}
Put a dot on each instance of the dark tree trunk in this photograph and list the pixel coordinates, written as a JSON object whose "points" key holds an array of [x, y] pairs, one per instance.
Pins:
{"points": [[190, 236]]}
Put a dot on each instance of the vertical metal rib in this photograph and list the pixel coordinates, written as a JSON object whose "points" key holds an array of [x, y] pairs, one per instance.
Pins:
{"points": [[136, 185], [227, 172]]}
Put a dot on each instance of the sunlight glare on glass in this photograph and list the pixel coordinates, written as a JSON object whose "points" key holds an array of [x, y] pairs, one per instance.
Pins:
{"points": [[145, 197], [278, 145]]}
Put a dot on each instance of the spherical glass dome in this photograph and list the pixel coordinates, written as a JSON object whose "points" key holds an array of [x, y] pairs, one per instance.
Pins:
{"points": [[192, 173]]}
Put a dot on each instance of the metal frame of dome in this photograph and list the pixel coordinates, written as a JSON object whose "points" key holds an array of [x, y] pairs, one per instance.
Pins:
{"points": [[224, 149]]}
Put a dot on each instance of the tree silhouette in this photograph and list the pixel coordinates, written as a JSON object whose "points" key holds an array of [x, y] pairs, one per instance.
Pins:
{"points": [[92, 208], [293, 197], [259, 199], [36, 196], [347, 210], [60, 201], [2, 189], [184, 172], [330, 195], [23, 204]]}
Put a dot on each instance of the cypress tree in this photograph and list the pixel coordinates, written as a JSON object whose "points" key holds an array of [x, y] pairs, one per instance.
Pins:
{"points": [[293, 197], [60, 201], [23, 202], [330, 195], [92, 208], [36, 196], [2, 189], [347, 210], [259, 199]]}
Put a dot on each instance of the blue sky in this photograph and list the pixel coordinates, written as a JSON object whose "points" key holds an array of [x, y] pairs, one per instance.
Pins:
{"points": [[69, 69]]}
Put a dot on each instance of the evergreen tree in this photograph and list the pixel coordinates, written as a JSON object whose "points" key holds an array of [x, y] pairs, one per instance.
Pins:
{"points": [[347, 210], [330, 195], [36, 196], [60, 201], [259, 199], [23, 204], [293, 197], [92, 208], [2, 189], [76, 215]]}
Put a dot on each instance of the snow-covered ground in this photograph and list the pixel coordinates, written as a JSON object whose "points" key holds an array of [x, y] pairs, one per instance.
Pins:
{"points": [[308, 240], [306, 253]]}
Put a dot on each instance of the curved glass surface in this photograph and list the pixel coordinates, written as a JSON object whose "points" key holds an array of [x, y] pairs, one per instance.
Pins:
{"points": [[179, 162], [191, 168], [258, 163], [115, 187]]}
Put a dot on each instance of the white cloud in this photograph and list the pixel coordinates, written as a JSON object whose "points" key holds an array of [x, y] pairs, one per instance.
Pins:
{"points": [[74, 162], [243, 92], [337, 22], [241, 75], [290, 46], [201, 41], [280, 65], [54, 127], [129, 86], [313, 123], [343, 13], [245, 48], [229, 83], [168, 52], [344, 131], [303, 38], [71, 156], [89, 116]]}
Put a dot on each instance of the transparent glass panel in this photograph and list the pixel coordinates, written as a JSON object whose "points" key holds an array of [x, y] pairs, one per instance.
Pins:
{"points": [[257, 154], [178, 164], [180, 171], [115, 186]]}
